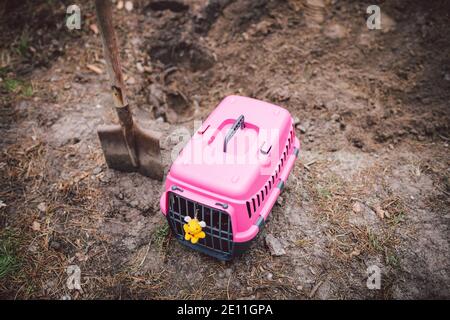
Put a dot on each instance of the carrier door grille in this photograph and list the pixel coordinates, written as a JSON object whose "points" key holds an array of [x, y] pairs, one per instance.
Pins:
{"points": [[218, 230]]}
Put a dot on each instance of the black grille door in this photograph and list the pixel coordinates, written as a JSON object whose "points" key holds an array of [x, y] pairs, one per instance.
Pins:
{"points": [[218, 230]]}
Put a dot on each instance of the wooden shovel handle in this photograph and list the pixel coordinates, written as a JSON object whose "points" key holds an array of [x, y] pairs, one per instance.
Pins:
{"points": [[111, 51]]}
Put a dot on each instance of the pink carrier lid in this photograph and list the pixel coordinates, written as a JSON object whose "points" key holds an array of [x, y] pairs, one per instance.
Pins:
{"points": [[252, 151]]}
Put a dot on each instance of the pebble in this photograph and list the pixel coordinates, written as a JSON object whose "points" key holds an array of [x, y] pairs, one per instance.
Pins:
{"points": [[55, 245], [280, 200], [105, 179], [97, 170], [134, 203], [301, 128], [357, 207], [335, 117], [129, 5], [131, 80], [139, 67], [32, 248], [228, 272], [275, 246], [36, 226], [42, 207]]}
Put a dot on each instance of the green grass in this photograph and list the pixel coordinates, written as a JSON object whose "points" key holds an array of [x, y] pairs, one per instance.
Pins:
{"points": [[24, 44], [398, 218], [27, 90], [8, 259], [11, 84], [324, 192], [392, 260], [160, 235], [18, 86], [374, 242]]}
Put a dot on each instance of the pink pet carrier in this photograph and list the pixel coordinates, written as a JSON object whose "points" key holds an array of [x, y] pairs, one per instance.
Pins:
{"points": [[229, 175]]}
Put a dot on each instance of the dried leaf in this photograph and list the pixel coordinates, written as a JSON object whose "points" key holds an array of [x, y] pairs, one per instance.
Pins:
{"points": [[355, 253], [380, 212], [94, 28]]}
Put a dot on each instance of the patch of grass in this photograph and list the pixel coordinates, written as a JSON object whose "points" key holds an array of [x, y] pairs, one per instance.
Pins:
{"points": [[374, 242], [27, 90], [160, 235], [3, 71], [24, 43], [8, 258], [392, 259], [324, 193], [11, 85], [398, 218], [18, 86]]}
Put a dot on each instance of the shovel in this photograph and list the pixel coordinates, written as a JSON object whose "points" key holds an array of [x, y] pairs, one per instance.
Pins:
{"points": [[127, 146]]}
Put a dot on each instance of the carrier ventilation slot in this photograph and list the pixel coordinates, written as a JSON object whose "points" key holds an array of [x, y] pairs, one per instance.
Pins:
{"points": [[259, 198], [249, 211]]}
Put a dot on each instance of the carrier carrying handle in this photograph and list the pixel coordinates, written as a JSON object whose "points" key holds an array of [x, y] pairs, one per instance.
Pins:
{"points": [[239, 123]]}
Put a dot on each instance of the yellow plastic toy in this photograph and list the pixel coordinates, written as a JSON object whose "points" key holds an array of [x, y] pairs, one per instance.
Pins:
{"points": [[193, 229]]}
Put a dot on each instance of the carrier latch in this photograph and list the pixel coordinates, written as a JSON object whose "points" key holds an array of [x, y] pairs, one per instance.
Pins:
{"points": [[265, 149], [239, 123]]}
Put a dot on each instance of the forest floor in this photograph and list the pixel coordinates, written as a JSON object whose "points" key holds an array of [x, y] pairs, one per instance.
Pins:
{"points": [[371, 186]]}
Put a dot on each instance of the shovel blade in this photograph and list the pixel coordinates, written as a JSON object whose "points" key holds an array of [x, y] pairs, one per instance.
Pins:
{"points": [[149, 153], [117, 156], [114, 148]]}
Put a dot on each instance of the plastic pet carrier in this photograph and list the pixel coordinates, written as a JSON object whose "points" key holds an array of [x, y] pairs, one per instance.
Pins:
{"points": [[222, 186]]}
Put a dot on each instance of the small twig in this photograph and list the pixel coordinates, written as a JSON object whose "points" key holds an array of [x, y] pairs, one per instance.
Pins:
{"points": [[307, 165], [315, 288], [146, 253], [228, 287], [94, 68]]}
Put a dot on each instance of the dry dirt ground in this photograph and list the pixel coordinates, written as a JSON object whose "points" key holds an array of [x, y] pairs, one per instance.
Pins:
{"points": [[371, 186]]}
